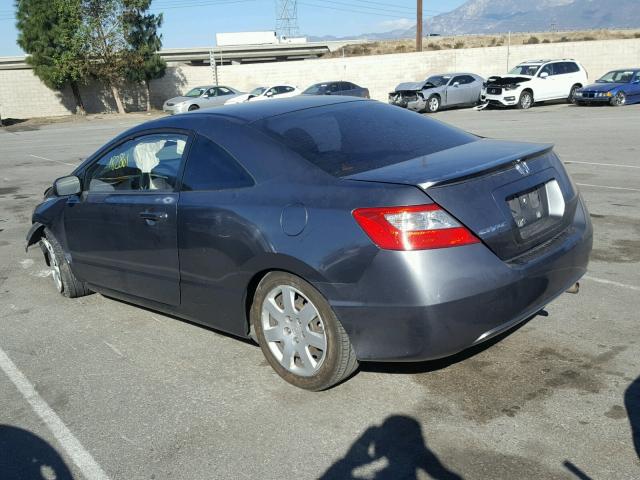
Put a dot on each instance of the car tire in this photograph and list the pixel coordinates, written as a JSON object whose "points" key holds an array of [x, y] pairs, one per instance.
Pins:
{"points": [[65, 281], [526, 100], [193, 107], [572, 94], [619, 100], [433, 104], [305, 326]]}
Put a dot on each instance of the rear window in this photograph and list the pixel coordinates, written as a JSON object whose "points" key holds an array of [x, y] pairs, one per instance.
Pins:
{"points": [[355, 137]]}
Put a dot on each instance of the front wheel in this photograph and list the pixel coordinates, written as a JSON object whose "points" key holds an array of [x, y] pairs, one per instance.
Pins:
{"points": [[193, 107], [526, 101], [299, 334], [433, 104], [619, 99], [64, 280]]}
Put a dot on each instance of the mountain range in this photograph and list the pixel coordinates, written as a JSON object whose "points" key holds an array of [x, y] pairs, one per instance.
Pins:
{"points": [[500, 16]]}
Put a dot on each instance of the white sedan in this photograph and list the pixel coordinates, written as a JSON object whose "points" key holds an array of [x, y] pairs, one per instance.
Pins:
{"points": [[266, 93]]}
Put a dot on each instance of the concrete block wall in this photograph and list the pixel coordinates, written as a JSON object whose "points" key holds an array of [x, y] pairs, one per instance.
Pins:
{"points": [[22, 95], [382, 73]]}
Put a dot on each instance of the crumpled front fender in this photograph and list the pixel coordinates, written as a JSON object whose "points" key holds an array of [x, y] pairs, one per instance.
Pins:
{"points": [[34, 235]]}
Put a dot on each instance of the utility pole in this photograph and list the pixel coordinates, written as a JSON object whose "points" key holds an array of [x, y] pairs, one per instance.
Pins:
{"points": [[419, 26]]}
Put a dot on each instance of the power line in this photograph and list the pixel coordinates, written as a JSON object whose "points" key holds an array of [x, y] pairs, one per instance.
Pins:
{"points": [[359, 6], [350, 10]]}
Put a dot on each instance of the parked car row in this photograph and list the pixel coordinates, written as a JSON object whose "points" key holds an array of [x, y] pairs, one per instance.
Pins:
{"points": [[525, 85], [214, 96]]}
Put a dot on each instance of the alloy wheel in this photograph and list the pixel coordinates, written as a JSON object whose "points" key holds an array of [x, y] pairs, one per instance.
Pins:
{"points": [[434, 104], [294, 330], [620, 99], [53, 263]]}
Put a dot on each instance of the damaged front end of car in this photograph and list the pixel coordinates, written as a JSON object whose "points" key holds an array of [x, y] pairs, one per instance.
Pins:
{"points": [[495, 91], [406, 93]]}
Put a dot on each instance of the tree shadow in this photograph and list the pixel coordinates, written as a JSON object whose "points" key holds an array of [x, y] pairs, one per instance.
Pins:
{"points": [[172, 84], [24, 455], [394, 450], [632, 404]]}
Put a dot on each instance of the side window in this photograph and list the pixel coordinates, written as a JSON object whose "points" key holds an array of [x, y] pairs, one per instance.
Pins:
{"points": [[334, 87], [459, 80], [147, 163], [547, 68], [468, 79], [212, 92], [211, 168], [223, 91], [273, 91], [571, 67], [561, 68]]}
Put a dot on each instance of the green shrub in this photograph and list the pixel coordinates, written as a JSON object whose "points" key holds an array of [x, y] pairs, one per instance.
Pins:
{"points": [[458, 45], [532, 41]]}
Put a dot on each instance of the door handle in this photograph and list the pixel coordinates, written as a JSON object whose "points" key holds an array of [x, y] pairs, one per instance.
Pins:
{"points": [[153, 216]]}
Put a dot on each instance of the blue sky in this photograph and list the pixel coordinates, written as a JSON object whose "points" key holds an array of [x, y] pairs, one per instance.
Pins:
{"points": [[191, 23]]}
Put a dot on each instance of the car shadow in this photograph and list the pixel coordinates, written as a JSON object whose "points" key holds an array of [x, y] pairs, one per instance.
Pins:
{"points": [[24, 455], [442, 363], [632, 405], [396, 449]]}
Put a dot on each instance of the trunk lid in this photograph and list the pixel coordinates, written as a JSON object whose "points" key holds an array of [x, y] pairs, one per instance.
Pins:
{"points": [[514, 196]]}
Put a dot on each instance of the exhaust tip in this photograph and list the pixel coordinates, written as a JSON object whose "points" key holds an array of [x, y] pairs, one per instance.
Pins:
{"points": [[575, 288]]}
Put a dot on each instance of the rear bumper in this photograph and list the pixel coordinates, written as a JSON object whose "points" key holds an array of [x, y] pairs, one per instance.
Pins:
{"points": [[430, 304]]}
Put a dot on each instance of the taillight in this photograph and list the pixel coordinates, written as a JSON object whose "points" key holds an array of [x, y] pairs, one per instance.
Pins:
{"points": [[417, 227]]}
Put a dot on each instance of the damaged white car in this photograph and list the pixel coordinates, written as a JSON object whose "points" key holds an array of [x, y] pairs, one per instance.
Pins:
{"points": [[438, 91], [535, 81]]}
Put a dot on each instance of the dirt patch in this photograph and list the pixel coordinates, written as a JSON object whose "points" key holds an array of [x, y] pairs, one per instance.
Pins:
{"points": [[512, 376], [624, 247]]}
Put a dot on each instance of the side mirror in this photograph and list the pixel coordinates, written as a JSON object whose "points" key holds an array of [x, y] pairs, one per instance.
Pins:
{"points": [[64, 186], [269, 94], [544, 74], [457, 84]]}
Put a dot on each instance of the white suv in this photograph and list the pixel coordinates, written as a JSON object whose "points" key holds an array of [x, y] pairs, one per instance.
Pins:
{"points": [[535, 81]]}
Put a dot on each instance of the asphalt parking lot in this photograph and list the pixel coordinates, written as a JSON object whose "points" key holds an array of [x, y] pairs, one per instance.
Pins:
{"points": [[95, 388]]}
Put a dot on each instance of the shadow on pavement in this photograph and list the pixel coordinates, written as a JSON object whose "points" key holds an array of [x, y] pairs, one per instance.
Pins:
{"points": [[632, 404], [394, 450], [24, 455]]}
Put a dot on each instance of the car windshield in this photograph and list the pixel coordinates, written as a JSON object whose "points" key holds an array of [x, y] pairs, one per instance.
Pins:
{"points": [[438, 80], [528, 70], [257, 91], [354, 137], [195, 92], [315, 89], [617, 76]]}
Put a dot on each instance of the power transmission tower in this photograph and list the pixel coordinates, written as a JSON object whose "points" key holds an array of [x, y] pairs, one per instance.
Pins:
{"points": [[419, 26], [287, 18]]}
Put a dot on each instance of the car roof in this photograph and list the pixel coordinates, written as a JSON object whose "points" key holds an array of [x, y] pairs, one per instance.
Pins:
{"points": [[253, 111]]}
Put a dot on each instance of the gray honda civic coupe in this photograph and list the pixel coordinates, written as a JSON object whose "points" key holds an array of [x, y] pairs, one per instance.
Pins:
{"points": [[330, 230]]}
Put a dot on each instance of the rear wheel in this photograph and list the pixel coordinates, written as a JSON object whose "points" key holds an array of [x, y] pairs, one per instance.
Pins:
{"points": [[299, 334], [193, 107], [619, 99], [433, 104], [64, 280], [526, 100]]}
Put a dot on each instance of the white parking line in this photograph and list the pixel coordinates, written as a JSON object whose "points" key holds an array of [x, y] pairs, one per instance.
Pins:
{"points": [[51, 160], [606, 186], [612, 283], [81, 457], [569, 162]]}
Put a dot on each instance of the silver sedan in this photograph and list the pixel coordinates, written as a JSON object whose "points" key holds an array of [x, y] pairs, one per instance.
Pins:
{"points": [[200, 97]]}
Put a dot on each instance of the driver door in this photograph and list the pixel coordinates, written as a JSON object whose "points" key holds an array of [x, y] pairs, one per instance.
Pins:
{"points": [[121, 231]]}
